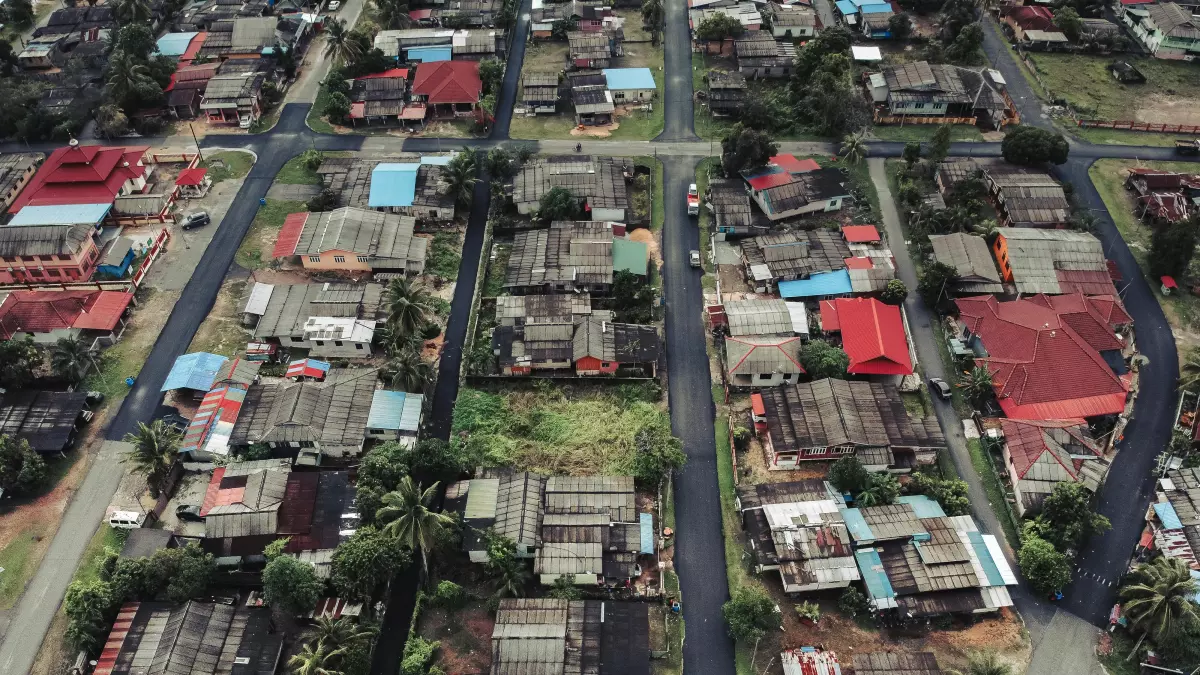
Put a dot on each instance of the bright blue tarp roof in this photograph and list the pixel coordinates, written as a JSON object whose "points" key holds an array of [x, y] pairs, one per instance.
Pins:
{"points": [[1166, 514], [194, 371], [175, 44], [817, 285], [428, 54], [393, 185], [629, 78], [646, 523], [875, 9], [846, 7], [61, 214]]}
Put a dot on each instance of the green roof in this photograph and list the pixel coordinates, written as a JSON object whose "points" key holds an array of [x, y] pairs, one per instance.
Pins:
{"points": [[630, 256]]}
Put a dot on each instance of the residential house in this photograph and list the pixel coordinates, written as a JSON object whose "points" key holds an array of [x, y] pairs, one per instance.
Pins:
{"points": [[448, 89], [603, 348], [1033, 26], [1174, 516], [873, 335], [428, 45], [409, 184], [916, 562], [591, 531], [1164, 196], [1027, 197], [807, 660], [773, 258], [96, 317], [566, 258], [793, 21], [925, 93], [198, 372], [186, 88], [629, 85], [592, 50], [1039, 454], [971, 259], [896, 663], [218, 636], [726, 92], [85, 174], [539, 92], [234, 98], [522, 310], [207, 436], [558, 637], [328, 320], [469, 13], [762, 361], [507, 502], [786, 194], [598, 182], [1051, 357], [828, 418], [251, 36], [592, 343], [48, 253], [761, 317], [797, 529], [1166, 29], [729, 203], [593, 105], [759, 54], [327, 418], [351, 239], [175, 45], [876, 20], [745, 13], [395, 416], [16, 170], [1052, 261], [380, 97], [46, 420]]}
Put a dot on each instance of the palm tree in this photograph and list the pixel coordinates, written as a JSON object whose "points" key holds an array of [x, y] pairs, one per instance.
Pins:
{"points": [[70, 358], [126, 77], [408, 517], [978, 383], [460, 177], [315, 661], [512, 580], [854, 147], [155, 449], [340, 45], [1159, 601], [653, 15], [392, 14], [987, 663], [132, 11], [1189, 370], [408, 307], [339, 632], [409, 371], [394, 343]]}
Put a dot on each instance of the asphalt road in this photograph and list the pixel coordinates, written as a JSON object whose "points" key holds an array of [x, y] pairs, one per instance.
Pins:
{"points": [[678, 124]]}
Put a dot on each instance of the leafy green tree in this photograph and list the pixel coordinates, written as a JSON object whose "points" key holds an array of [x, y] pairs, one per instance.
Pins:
{"points": [[900, 26], [565, 588], [1031, 146], [129, 82], [881, 489], [407, 515], [978, 386], [88, 605], [852, 602], [365, 561], [491, 72], [129, 12], [894, 293], [987, 663], [950, 493], [450, 595], [1158, 600], [111, 121], [1189, 370], [745, 149], [830, 102], [70, 359], [854, 147], [340, 632], [849, 475], [912, 153], [558, 204], [501, 163], [409, 371], [21, 469], [433, 456], [658, 454], [508, 571], [835, 40], [1067, 519], [934, 281], [155, 450], [315, 659], [190, 571], [821, 360], [653, 18], [418, 653], [460, 177], [967, 45], [750, 613], [939, 145], [392, 14], [633, 298], [18, 359], [1045, 568], [560, 28], [1068, 21], [409, 306], [718, 27], [137, 40], [337, 107], [19, 12], [291, 584], [1172, 247]]}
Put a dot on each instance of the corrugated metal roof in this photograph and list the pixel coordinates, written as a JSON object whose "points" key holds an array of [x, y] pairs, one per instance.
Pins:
{"points": [[194, 371], [1167, 516], [481, 498], [428, 54], [60, 214], [260, 295], [879, 589], [395, 411], [820, 284], [630, 256]]}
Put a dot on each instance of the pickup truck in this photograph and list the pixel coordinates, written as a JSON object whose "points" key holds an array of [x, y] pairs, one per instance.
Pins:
{"points": [[1187, 146], [693, 200]]}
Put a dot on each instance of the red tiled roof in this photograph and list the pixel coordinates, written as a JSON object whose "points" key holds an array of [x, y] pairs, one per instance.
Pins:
{"points": [[1041, 368], [770, 180], [46, 311], [860, 234], [1083, 317], [790, 164], [191, 176], [448, 82], [1026, 441], [84, 174], [1031, 18], [289, 235], [214, 496], [858, 263], [873, 337], [193, 47]]}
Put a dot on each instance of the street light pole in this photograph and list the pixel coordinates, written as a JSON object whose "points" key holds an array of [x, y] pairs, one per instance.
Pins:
{"points": [[197, 140]]}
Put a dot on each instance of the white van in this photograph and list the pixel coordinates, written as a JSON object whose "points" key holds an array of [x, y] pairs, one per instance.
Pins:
{"points": [[126, 520]]}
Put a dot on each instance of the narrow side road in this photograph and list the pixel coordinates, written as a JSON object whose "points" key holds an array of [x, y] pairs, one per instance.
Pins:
{"points": [[512, 73], [679, 124]]}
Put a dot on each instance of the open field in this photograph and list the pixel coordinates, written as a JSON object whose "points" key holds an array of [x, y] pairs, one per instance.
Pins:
{"points": [[1170, 94], [255, 251], [227, 165]]}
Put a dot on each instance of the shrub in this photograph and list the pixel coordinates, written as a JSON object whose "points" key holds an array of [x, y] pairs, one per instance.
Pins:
{"points": [[418, 652], [450, 595], [853, 602]]}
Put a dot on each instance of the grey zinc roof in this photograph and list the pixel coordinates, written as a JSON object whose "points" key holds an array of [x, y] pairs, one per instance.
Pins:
{"points": [[363, 232], [253, 33], [531, 637], [1035, 255], [542, 308], [14, 166], [141, 204], [330, 414], [289, 306], [598, 180], [578, 252], [758, 317], [192, 639], [518, 506], [970, 256], [730, 204], [43, 239], [756, 355], [229, 89], [797, 254], [896, 663], [581, 494], [258, 511]]}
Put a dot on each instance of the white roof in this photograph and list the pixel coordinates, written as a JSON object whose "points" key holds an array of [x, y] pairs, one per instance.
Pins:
{"points": [[338, 328], [878, 80], [260, 296], [761, 272], [799, 317], [993, 548], [866, 53], [799, 514]]}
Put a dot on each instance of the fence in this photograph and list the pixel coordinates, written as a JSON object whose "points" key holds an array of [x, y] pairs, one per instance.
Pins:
{"points": [[191, 159], [1130, 125], [160, 243]]}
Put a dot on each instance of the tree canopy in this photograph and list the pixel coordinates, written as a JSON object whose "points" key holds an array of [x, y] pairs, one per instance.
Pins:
{"points": [[1045, 567], [1031, 146], [718, 27], [291, 584], [745, 149], [934, 279], [1172, 247], [849, 475], [821, 359], [365, 561], [559, 204], [21, 469], [750, 613], [18, 359], [1067, 519]]}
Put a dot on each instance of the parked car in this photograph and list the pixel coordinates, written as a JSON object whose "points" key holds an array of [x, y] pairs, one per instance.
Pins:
{"points": [[694, 257], [190, 512], [693, 200], [198, 219], [335, 5], [1187, 146], [938, 386]]}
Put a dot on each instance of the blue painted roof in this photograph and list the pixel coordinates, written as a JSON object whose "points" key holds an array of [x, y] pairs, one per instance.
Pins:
{"points": [[393, 185], [1168, 517], [395, 411], [871, 568], [817, 285], [646, 521], [194, 371], [428, 54], [436, 160], [61, 214], [878, 8], [859, 530], [846, 7], [629, 78], [985, 559], [175, 44], [923, 506]]}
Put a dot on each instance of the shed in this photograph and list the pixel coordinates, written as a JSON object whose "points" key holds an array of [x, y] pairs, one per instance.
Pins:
{"points": [[630, 256], [630, 83], [393, 184], [175, 44], [310, 368], [394, 414], [819, 285], [256, 305], [117, 259], [195, 371], [45, 419]]}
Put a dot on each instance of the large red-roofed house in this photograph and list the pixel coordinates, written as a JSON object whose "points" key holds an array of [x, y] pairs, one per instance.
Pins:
{"points": [[1051, 357], [85, 174], [448, 88], [1040, 454], [47, 316], [873, 335]]}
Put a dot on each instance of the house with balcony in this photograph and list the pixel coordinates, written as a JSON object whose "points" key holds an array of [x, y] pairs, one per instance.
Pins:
{"points": [[85, 174], [1166, 30], [936, 93]]}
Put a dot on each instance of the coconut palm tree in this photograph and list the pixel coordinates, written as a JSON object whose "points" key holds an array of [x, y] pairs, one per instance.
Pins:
{"points": [[407, 517], [854, 147], [408, 371], [70, 358], [392, 14], [1189, 370], [653, 15], [987, 663], [460, 177], [339, 632], [155, 449], [978, 384], [1159, 600], [339, 43], [132, 11], [408, 307], [317, 661], [126, 77]]}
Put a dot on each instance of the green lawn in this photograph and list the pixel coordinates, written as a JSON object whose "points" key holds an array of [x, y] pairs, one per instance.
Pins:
{"points": [[315, 120], [254, 253], [232, 164], [445, 255], [1121, 137], [924, 132], [995, 490], [14, 558], [105, 537], [295, 172], [1084, 81], [123, 359]]}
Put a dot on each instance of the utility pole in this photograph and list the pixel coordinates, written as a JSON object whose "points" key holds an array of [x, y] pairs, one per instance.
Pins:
{"points": [[197, 140]]}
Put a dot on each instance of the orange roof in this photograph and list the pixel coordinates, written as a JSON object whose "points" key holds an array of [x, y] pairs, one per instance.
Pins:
{"points": [[860, 234], [289, 235], [47, 311], [859, 263], [873, 336]]}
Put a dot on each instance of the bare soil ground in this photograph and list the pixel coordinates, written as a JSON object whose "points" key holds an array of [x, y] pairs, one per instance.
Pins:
{"points": [[1161, 108], [222, 332], [647, 237]]}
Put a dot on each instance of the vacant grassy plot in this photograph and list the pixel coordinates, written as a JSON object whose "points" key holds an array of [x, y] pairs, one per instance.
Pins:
{"points": [[227, 165], [924, 132], [126, 357], [493, 283], [316, 119], [296, 172], [445, 254], [656, 170], [1171, 91], [222, 332], [1121, 137], [559, 430], [255, 251]]}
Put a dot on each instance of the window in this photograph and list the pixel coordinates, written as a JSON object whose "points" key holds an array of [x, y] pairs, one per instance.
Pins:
{"points": [[765, 376], [52, 273], [339, 258], [605, 364], [918, 106], [297, 339], [358, 345], [35, 272], [314, 258], [362, 258], [320, 343], [618, 94], [337, 343]]}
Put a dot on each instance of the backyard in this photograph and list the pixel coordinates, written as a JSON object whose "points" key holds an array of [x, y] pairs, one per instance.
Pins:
{"points": [[256, 248]]}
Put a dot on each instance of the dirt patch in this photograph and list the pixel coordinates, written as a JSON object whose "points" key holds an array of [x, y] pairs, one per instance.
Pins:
{"points": [[1161, 108], [651, 241], [222, 332], [281, 276], [465, 636], [598, 131]]}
